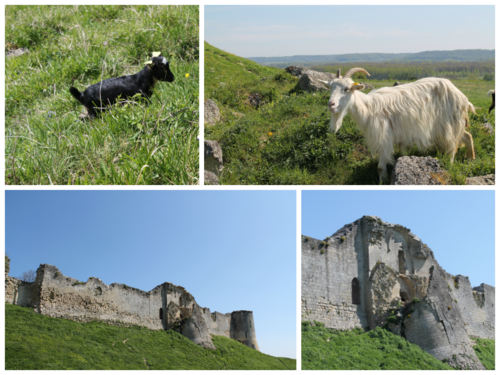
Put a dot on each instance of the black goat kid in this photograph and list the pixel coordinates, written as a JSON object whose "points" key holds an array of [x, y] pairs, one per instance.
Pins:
{"points": [[96, 97]]}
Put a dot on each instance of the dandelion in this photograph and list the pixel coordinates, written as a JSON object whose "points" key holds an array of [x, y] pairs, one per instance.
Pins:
{"points": [[187, 75], [270, 134]]}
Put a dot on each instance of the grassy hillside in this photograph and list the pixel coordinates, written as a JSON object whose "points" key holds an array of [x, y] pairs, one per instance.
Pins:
{"points": [[485, 351], [37, 342], [47, 143], [285, 139], [327, 349]]}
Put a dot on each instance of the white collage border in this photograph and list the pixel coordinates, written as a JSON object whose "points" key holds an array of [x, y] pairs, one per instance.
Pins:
{"points": [[298, 189]]}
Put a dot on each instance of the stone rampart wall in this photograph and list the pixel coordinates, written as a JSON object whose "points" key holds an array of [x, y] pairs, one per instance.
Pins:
{"points": [[477, 305], [327, 274], [19, 292], [167, 306], [66, 297]]}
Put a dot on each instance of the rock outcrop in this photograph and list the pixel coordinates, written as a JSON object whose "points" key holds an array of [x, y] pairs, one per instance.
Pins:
{"points": [[212, 113], [167, 306], [488, 179], [416, 170], [371, 273], [213, 162]]}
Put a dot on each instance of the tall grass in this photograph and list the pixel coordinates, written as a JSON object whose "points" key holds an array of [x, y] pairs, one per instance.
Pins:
{"points": [[286, 139], [47, 143], [37, 342]]}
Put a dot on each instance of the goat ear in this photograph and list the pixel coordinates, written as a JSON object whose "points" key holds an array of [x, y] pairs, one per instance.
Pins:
{"points": [[357, 86], [326, 83]]}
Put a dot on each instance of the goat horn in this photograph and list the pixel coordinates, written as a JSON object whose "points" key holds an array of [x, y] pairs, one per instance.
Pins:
{"points": [[350, 72], [338, 74]]}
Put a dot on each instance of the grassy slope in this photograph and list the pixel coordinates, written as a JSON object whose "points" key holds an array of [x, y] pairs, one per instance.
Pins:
{"points": [[356, 350], [34, 341], [46, 143], [485, 351], [286, 140]]}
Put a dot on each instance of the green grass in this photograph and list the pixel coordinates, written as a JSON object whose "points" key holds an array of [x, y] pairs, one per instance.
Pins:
{"points": [[37, 342], [286, 140], [485, 351], [47, 143], [356, 350]]}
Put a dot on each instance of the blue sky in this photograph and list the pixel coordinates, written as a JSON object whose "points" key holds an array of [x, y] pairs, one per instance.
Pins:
{"points": [[232, 250], [458, 226], [257, 31]]}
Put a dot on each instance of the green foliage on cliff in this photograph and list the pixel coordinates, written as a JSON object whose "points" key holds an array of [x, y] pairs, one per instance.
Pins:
{"points": [[485, 351], [328, 349], [285, 139], [37, 342]]}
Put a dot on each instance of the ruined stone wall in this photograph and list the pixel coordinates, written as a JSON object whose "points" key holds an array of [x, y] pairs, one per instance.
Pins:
{"points": [[477, 305], [19, 292], [66, 297], [395, 270], [328, 269], [167, 306], [437, 326]]}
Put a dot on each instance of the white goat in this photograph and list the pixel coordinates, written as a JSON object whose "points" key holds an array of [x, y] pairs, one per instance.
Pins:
{"points": [[430, 113]]}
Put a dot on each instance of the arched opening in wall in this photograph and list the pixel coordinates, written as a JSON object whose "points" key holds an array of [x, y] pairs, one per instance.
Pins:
{"points": [[180, 301], [161, 313], [401, 257], [356, 292], [404, 296]]}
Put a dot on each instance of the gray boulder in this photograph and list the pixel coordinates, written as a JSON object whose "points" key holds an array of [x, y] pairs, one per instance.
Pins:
{"points": [[211, 178], [16, 52], [309, 80], [489, 179], [213, 157], [212, 114], [295, 71], [415, 170], [488, 128]]}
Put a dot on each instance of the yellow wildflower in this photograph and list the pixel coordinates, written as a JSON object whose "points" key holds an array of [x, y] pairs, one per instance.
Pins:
{"points": [[270, 134], [187, 75]]}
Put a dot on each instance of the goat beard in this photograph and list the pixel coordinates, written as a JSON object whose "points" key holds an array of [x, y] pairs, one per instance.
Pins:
{"points": [[336, 120]]}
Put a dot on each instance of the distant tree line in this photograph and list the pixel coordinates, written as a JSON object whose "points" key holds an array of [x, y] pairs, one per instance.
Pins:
{"points": [[416, 70]]}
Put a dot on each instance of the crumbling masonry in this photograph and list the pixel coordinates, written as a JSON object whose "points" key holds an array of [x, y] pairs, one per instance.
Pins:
{"points": [[165, 307], [371, 273]]}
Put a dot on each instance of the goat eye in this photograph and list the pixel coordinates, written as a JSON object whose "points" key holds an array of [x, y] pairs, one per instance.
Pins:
{"points": [[346, 89]]}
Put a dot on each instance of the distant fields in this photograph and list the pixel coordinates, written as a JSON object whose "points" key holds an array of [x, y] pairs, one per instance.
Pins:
{"points": [[285, 140], [37, 342]]}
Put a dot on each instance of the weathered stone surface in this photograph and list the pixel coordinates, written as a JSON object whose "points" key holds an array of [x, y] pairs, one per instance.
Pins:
{"points": [[212, 113], [371, 272], [213, 157], [488, 128], [167, 306], [255, 99], [16, 52], [211, 178], [309, 80], [196, 330], [489, 179], [242, 328], [295, 71], [415, 170]]}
